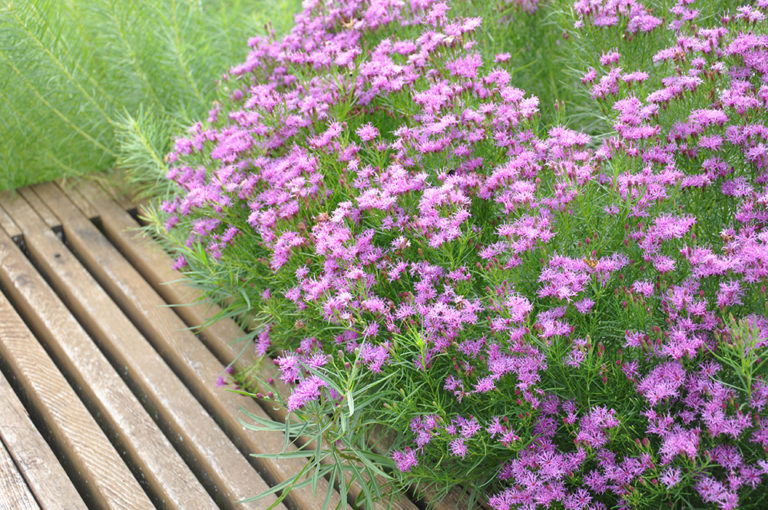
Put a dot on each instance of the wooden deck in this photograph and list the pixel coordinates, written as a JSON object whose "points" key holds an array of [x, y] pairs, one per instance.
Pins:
{"points": [[107, 398]]}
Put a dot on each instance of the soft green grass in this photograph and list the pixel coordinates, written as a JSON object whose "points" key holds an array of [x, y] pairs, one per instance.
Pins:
{"points": [[84, 83]]}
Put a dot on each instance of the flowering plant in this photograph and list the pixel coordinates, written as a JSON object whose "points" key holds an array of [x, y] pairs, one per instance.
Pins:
{"points": [[548, 310]]}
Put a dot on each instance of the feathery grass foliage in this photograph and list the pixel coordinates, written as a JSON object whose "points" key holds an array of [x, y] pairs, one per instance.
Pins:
{"points": [[87, 83]]}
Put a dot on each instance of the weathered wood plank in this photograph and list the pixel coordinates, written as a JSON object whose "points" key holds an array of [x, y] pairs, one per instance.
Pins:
{"points": [[46, 478], [7, 224], [72, 190], [169, 479], [40, 207], [108, 481], [156, 267], [226, 473], [180, 347], [14, 493]]}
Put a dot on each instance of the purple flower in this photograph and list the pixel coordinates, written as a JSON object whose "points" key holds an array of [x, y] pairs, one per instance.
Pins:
{"points": [[662, 382], [578, 500], [592, 427], [367, 132], [306, 391], [468, 427], [584, 306], [375, 356], [679, 441], [484, 385], [405, 459], [610, 58], [670, 477], [730, 294], [465, 67], [643, 287], [458, 448]]}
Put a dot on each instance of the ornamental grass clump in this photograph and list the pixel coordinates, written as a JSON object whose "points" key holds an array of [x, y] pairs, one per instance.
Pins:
{"points": [[546, 311]]}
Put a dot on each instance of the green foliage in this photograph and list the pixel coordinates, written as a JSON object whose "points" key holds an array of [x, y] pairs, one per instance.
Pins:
{"points": [[86, 84]]}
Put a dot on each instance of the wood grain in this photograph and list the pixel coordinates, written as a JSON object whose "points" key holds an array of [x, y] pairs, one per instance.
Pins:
{"points": [[7, 224], [179, 347], [105, 477], [168, 477], [40, 207], [14, 493], [46, 478], [72, 190], [226, 474]]}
